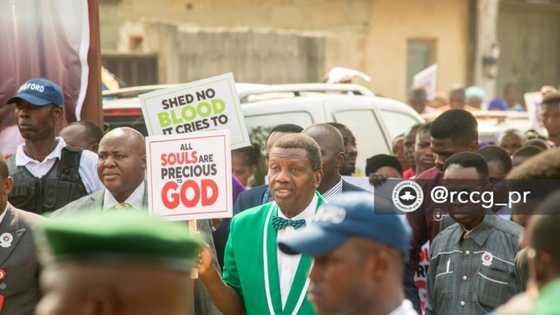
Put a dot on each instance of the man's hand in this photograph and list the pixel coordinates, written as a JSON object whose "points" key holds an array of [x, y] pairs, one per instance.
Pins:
{"points": [[224, 297], [205, 263]]}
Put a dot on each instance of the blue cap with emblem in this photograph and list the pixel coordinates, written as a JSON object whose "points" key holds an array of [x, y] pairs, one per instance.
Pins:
{"points": [[350, 215], [39, 92]]}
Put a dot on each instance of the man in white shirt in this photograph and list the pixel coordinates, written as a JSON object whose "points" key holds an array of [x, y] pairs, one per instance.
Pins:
{"points": [[358, 251], [47, 175]]}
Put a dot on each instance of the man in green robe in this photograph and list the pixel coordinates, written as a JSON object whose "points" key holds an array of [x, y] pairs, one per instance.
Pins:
{"points": [[258, 278]]}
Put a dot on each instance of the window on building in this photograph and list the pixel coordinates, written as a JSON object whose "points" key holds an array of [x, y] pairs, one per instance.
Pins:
{"points": [[133, 69], [420, 54]]}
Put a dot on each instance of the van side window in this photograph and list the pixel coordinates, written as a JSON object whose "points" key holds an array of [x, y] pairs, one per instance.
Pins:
{"points": [[268, 121], [369, 137], [397, 122]]}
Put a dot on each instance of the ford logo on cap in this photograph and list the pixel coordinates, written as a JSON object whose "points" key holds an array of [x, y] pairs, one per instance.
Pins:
{"points": [[39, 92]]}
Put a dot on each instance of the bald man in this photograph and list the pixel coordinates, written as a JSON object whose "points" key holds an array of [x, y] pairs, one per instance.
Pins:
{"points": [[122, 168], [331, 143], [83, 135]]}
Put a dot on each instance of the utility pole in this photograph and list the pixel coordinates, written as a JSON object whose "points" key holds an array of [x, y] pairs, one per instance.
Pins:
{"points": [[487, 49]]}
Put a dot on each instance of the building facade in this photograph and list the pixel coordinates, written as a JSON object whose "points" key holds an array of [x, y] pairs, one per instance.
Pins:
{"points": [[280, 41]]}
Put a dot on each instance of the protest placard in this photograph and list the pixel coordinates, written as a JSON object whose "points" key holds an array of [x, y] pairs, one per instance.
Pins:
{"points": [[189, 176], [427, 79], [208, 104], [533, 102]]}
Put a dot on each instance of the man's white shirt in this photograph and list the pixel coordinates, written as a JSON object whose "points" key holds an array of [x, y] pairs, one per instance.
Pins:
{"points": [[135, 199], [3, 215], [405, 308], [287, 264], [87, 170]]}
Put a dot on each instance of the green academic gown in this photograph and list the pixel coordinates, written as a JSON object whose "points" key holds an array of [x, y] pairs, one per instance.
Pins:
{"points": [[251, 265]]}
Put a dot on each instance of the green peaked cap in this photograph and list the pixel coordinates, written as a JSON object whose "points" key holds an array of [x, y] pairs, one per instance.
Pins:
{"points": [[113, 235]]}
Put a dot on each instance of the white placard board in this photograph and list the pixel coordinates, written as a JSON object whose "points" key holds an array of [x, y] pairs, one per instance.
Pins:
{"points": [[209, 104], [427, 79], [189, 176]]}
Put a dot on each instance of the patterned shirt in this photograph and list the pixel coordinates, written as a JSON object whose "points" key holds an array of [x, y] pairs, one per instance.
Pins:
{"points": [[337, 188], [473, 272]]}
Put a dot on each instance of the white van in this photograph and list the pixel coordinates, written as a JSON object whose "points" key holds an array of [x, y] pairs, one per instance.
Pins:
{"points": [[375, 121]]}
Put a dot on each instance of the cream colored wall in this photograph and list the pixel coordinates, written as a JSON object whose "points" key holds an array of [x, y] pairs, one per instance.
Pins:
{"points": [[368, 35], [345, 22], [310, 15], [393, 22]]}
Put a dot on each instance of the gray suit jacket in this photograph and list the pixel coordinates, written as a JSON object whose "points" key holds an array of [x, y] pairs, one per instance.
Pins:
{"points": [[18, 259], [94, 202], [89, 202]]}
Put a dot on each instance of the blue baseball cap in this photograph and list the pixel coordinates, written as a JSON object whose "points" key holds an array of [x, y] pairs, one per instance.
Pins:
{"points": [[39, 92], [350, 215]]}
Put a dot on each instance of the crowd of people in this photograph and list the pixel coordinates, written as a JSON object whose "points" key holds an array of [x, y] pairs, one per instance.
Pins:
{"points": [[305, 242], [470, 99], [478, 259]]}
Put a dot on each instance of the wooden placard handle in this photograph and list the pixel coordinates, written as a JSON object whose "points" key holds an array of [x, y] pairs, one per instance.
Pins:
{"points": [[193, 228]]}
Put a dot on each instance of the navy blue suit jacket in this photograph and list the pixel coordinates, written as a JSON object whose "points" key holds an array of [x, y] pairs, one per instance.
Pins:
{"points": [[251, 198]]}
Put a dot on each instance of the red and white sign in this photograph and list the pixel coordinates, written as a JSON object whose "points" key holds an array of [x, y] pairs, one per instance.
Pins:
{"points": [[189, 176], [421, 275]]}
